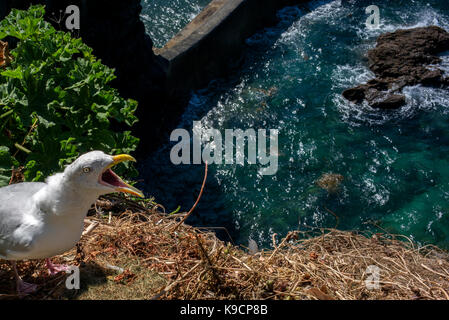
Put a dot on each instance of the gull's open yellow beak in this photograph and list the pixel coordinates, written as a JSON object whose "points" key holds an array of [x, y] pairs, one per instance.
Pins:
{"points": [[122, 158], [126, 188]]}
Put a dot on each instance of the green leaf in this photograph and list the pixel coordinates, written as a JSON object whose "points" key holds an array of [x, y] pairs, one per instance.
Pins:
{"points": [[70, 98], [7, 162], [15, 74]]}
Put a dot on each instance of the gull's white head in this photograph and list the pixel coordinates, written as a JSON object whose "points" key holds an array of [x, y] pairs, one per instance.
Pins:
{"points": [[92, 171]]}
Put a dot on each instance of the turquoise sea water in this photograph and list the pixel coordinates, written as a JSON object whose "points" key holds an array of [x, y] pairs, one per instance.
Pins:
{"points": [[164, 18], [395, 163]]}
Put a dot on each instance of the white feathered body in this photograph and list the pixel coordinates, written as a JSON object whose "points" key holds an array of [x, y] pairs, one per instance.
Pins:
{"points": [[41, 220]]}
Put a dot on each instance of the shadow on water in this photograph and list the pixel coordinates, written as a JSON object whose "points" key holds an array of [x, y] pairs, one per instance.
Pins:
{"points": [[179, 185]]}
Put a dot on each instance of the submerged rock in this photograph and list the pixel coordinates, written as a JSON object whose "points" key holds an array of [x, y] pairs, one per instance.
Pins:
{"points": [[330, 182], [402, 58]]}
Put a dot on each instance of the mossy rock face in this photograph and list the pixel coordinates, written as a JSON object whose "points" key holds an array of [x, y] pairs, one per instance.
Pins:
{"points": [[330, 182]]}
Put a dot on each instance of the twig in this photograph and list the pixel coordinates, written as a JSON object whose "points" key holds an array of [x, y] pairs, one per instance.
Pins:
{"points": [[335, 215], [170, 286], [209, 262], [218, 228], [438, 273], [20, 147], [197, 200], [90, 228]]}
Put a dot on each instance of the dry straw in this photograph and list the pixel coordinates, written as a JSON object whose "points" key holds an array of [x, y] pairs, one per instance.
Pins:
{"points": [[157, 263]]}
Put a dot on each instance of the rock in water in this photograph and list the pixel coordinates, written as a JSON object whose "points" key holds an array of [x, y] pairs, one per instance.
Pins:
{"points": [[330, 182], [389, 101], [402, 58]]}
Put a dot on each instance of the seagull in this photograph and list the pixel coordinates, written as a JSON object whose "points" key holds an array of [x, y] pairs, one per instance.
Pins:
{"points": [[39, 220]]}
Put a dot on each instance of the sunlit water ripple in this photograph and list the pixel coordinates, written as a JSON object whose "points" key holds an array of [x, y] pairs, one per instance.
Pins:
{"points": [[164, 18]]}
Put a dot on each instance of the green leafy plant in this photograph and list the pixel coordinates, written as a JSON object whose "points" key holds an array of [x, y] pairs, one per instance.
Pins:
{"points": [[55, 101]]}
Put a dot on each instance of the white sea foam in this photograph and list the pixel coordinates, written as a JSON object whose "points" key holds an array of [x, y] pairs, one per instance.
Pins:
{"points": [[163, 19], [321, 11], [427, 99], [410, 18]]}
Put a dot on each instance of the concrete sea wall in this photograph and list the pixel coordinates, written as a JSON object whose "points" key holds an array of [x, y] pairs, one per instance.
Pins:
{"points": [[211, 46]]}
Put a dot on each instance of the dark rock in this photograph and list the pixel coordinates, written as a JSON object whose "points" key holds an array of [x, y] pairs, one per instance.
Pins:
{"points": [[392, 101], [404, 52], [432, 78], [402, 58], [356, 94], [378, 84]]}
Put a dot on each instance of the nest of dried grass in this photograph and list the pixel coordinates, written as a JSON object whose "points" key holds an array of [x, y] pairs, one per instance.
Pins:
{"points": [[137, 254]]}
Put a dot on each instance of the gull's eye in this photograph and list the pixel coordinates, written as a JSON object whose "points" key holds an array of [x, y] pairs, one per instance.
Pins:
{"points": [[87, 169]]}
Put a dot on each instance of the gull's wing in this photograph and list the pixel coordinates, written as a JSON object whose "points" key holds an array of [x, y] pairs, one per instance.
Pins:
{"points": [[14, 201]]}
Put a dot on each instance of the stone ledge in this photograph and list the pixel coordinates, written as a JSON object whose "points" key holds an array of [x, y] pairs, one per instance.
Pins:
{"points": [[212, 44]]}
